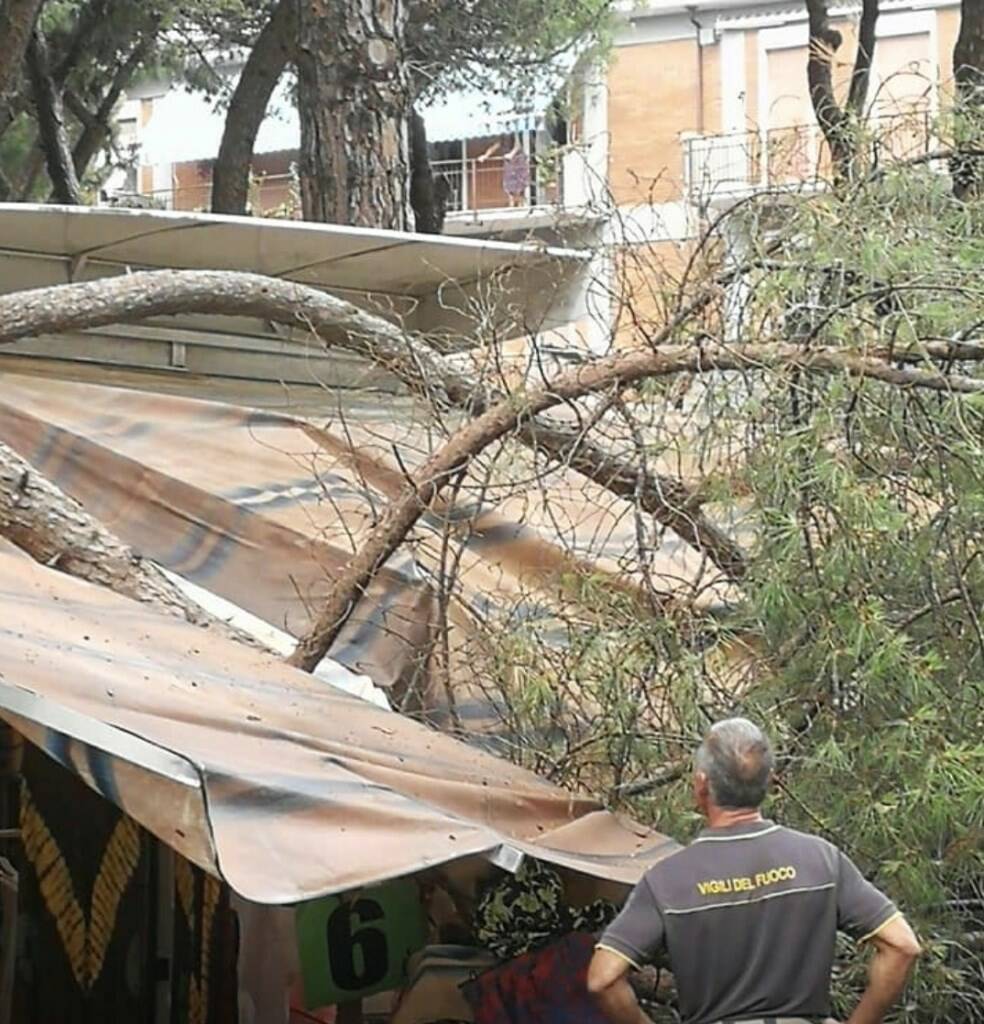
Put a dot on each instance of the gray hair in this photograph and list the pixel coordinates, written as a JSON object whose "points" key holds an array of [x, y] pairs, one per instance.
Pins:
{"points": [[736, 757]]}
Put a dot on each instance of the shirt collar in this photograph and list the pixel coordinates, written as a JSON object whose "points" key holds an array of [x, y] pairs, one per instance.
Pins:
{"points": [[743, 828]]}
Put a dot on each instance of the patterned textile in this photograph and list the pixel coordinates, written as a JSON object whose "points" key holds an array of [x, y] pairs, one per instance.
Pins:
{"points": [[526, 911], [595, 917], [545, 987], [516, 174]]}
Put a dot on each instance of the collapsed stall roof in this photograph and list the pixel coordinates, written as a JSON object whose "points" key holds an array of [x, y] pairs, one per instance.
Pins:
{"points": [[330, 255], [275, 781], [264, 509]]}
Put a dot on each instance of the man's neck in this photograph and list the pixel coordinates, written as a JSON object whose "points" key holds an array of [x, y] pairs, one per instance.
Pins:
{"points": [[719, 817]]}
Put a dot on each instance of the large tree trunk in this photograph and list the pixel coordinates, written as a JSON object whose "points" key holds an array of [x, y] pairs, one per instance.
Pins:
{"points": [[17, 19], [967, 168], [247, 108], [428, 197], [354, 102], [56, 530], [51, 124], [840, 124]]}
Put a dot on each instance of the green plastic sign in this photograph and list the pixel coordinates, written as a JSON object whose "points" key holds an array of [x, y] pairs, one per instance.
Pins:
{"points": [[358, 944]]}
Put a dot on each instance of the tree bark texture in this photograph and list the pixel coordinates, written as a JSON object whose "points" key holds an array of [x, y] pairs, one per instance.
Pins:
{"points": [[966, 168], [354, 99], [56, 530], [136, 296], [839, 124], [17, 18], [262, 71], [51, 124]]}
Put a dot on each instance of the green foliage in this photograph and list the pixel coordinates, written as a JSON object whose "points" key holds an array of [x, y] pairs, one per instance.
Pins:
{"points": [[857, 636], [519, 45], [90, 40]]}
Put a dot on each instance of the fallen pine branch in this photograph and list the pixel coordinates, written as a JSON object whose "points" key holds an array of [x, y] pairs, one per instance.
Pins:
{"points": [[617, 370], [54, 529], [135, 297]]}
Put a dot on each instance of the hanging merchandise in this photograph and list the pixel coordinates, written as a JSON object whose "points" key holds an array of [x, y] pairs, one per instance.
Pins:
{"points": [[527, 910], [358, 944]]}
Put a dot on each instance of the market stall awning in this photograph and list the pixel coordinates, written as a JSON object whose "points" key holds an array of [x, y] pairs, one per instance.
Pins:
{"points": [[275, 781], [264, 509], [334, 256], [424, 281]]}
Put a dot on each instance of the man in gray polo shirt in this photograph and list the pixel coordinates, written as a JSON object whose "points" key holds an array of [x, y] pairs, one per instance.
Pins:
{"points": [[747, 914]]}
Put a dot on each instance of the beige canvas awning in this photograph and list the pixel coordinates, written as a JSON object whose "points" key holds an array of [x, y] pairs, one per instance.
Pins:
{"points": [[263, 510], [271, 779]]}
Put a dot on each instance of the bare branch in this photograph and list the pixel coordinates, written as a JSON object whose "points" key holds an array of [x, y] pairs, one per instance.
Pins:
{"points": [[51, 124], [825, 41], [839, 125], [263, 69], [96, 127], [861, 76], [137, 296], [665, 776], [614, 371]]}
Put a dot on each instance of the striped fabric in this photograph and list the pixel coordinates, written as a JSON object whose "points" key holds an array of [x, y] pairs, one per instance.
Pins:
{"points": [[264, 776], [264, 509]]}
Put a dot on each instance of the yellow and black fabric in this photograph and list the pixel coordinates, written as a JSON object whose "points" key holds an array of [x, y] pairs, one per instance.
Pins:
{"points": [[83, 888], [200, 906]]}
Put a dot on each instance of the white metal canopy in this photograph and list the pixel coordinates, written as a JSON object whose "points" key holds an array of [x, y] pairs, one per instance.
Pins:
{"points": [[328, 255], [427, 281]]}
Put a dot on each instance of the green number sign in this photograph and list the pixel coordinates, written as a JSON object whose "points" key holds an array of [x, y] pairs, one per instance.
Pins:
{"points": [[358, 944]]}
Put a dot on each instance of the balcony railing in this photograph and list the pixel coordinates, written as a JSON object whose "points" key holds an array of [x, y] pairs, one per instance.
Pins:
{"points": [[498, 183], [473, 186], [729, 165], [270, 196]]}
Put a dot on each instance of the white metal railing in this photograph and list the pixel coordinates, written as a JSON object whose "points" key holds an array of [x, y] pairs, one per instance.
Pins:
{"points": [[472, 185], [732, 163], [498, 183]]}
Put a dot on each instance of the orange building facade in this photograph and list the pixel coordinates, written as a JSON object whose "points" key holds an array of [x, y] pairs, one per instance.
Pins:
{"points": [[703, 104]]}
